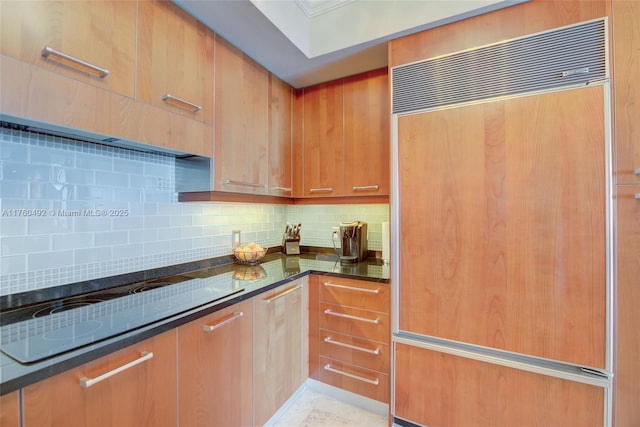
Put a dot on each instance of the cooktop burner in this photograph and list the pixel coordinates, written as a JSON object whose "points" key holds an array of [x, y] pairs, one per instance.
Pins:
{"points": [[38, 332]]}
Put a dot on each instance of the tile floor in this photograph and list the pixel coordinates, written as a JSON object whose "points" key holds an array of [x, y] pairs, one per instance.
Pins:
{"points": [[314, 409]]}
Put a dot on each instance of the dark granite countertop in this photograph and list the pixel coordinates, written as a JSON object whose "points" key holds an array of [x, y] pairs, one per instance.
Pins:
{"points": [[274, 270]]}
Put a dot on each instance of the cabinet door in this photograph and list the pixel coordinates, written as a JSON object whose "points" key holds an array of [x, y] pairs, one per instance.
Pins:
{"points": [[100, 35], [279, 348], [366, 134], [10, 409], [626, 63], [280, 138], [215, 369], [142, 395], [323, 150], [242, 129], [502, 225], [627, 372], [175, 60], [438, 389]]}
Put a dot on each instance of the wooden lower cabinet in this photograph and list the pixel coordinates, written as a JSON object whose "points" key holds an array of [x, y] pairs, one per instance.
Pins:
{"points": [[627, 370], [214, 369], [280, 325], [10, 409], [437, 389], [142, 395], [349, 335]]}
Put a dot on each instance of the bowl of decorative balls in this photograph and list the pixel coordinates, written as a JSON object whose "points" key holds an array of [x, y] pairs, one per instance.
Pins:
{"points": [[250, 254]]}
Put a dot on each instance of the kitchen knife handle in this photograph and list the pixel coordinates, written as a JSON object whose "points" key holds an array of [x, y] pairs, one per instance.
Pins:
{"points": [[329, 368], [47, 51], [366, 187], [179, 102], [352, 288], [88, 382], [209, 328], [352, 347], [281, 294], [349, 316]]}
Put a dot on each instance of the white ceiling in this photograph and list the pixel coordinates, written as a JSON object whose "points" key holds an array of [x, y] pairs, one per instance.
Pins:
{"points": [[305, 42]]}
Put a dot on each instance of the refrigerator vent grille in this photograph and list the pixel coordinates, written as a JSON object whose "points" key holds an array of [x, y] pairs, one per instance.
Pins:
{"points": [[566, 56]]}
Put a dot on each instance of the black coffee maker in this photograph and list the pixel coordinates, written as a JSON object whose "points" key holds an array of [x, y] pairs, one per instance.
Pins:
{"points": [[353, 242]]}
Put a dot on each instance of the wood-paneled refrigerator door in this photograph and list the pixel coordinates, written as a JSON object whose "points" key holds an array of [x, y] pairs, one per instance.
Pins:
{"points": [[503, 225]]}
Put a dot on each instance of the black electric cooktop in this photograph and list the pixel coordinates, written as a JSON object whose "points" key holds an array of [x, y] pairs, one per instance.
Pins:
{"points": [[34, 333]]}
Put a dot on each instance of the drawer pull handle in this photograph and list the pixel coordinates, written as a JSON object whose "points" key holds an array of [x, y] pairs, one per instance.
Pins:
{"points": [[366, 188], [245, 184], [637, 196], [321, 190], [637, 171], [281, 294], [47, 51], [88, 382], [209, 328], [329, 368], [349, 316], [288, 190], [179, 102], [352, 288], [352, 347]]}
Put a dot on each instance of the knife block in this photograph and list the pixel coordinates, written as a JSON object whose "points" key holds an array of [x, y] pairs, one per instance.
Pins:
{"points": [[291, 246]]}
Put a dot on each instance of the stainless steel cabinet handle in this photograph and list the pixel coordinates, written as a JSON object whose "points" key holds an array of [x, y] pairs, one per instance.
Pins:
{"points": [[209, 328], [328, 367], [321, 190], [637, 171], [88, 382], [352, 347], [179, 102], [366, 188], [246, 184], [281, 294], [637, 196], [47, 51], [349, 316], [351, 288], [288, 190]]}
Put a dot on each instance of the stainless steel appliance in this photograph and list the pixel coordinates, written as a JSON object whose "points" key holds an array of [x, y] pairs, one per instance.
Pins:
{"points": [[353, 242]]}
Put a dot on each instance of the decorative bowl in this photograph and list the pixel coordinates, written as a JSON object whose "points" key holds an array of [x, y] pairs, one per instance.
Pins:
{"points": [[249, 273], [250, 254]]}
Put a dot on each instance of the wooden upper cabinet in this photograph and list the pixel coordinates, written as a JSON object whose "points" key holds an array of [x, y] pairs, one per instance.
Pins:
{"points": [[280, 137], [626, 63], [175, 60], [242, 122], [323, 143], [86, 39], [142, 394], [366, 134]]}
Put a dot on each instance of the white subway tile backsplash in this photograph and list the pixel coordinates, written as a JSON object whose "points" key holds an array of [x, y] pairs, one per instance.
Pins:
{"points": [[60, 242], [111, 238], [154, 230], [14, 264], [47, 260], [25, 244]]}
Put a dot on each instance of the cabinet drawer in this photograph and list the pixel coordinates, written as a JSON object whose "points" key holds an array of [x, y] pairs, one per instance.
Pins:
{"points": [[354, 350], [355, 293], [351, 321], [364, 382]]}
